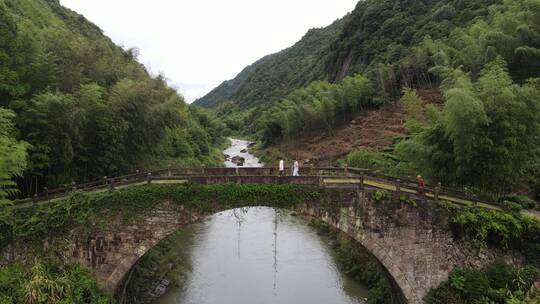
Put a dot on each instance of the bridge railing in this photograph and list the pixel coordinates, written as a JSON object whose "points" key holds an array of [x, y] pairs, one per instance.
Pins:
{"points": [[309, 175]]}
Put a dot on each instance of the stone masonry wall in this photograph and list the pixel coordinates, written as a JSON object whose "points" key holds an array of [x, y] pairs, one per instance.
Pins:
{"points": [[413, 243]]}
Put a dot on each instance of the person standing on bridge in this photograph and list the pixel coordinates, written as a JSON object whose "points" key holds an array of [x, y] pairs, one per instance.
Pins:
{"points": [[281, 167], [421, 184], [296, 168]]}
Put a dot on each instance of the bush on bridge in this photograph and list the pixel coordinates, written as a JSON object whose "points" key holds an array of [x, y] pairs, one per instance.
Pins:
{"points": [[499, 229]]}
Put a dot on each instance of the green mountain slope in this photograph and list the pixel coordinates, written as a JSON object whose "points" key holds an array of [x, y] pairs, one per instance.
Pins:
{"points": [[383, 31], [85, 107], [274, 76], [374, 39]]}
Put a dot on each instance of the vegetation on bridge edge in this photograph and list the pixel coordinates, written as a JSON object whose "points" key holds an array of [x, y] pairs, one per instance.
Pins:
{"points": [[92, 211], [507, 231], [496, 283]]}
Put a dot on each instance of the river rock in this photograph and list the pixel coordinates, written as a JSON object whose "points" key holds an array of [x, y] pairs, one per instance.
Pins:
{"points": [[160, 289], [238, 160], [243, 151]]}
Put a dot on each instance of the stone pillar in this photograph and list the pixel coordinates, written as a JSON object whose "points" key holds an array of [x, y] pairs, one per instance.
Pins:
{"points": [[358, 200], [346, 168], [149, 178], [111, 184], [73, 186], [46, 190], [437, 191], [105, 180], [397, 194], [169, 174]]}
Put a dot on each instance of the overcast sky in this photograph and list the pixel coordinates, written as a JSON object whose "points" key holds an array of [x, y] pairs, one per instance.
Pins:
{"points": [[198, 44]]}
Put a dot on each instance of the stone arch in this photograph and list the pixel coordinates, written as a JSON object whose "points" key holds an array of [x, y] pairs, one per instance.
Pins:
{"points": [[412, 242], [402, 288], [136, 240]]}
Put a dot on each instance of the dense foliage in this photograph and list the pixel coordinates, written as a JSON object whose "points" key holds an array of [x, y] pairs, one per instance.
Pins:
{"points": [[358, 264], [498, 283], [499, 229], [379, 39], [49, 282], [85, 106], [377, 161], [380, 36], [485, 135], [319, 107], [12, 155]]}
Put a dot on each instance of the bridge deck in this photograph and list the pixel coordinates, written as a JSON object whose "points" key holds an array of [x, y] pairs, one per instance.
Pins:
{"points": [[322, 177]]}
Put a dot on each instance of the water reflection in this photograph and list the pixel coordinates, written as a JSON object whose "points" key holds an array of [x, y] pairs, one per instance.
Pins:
{"points": [[259, 256]]}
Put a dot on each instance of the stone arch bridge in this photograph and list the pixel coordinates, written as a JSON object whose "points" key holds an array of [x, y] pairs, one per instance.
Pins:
{"points": [[406, 232]]}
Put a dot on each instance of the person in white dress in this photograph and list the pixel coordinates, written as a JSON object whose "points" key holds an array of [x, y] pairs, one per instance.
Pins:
{"points": [[281, 167], [296, 168]]}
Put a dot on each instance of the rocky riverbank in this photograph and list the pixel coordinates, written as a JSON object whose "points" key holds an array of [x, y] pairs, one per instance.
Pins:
{"points": [[238, 155]]}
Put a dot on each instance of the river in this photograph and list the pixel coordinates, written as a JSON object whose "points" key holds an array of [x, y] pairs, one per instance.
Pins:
{"points": [[240, 147], [259, 256]]}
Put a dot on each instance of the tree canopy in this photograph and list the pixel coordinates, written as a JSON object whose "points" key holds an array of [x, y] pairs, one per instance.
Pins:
{"points": [[85, 107]]}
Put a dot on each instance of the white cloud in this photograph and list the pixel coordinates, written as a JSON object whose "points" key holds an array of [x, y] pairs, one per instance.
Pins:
{"points": [[198, 44]]}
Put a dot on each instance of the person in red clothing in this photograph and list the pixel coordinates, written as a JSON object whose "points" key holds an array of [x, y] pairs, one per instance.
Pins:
{"points": [[421, 184]]}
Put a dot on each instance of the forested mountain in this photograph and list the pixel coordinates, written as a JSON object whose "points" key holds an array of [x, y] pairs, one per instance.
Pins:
{"points": [[276, 75], [82, 107], [376, 38], [381, 32], [483, 56]]}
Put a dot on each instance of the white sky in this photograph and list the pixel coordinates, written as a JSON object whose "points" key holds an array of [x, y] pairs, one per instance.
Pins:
{"points": [[198, 44]]}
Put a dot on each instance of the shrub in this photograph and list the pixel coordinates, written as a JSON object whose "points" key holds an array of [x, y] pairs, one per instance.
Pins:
{"points": [[523, 201], [48, 281], [488, 227], [497, 283], [511, 206], [380, 195], [371, 160]]}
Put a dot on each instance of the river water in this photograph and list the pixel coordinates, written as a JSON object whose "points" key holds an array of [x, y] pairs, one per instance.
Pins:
{"points": [[236, 148], [261, 256]]}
